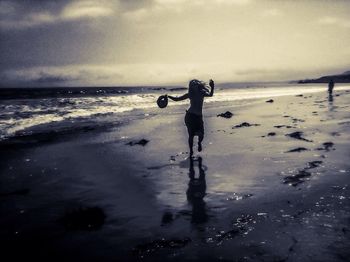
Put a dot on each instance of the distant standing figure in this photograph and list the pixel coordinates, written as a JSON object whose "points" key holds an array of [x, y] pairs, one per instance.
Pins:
{"points": [[330, 86], [194, 119]]}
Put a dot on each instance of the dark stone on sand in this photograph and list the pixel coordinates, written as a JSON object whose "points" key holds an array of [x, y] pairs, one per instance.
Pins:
{"points": [[297, 179], [84, 219], [299, 95], [298, 135], [141, 142], [271, 134], [326, 146], [298, 149], [149, 248], [297, 120], [21, 192], [227, 114], [244, 124], [279, 126], [269, 101]]}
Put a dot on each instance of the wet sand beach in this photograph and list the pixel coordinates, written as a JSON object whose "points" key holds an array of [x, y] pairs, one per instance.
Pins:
{"points": [[271, 184]]}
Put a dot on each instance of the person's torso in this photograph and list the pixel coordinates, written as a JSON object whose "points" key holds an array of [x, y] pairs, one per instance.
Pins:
{"points": [[196, 106]]}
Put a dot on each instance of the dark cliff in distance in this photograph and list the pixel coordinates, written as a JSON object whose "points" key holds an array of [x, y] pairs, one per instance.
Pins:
{"points": [[342, 78]]}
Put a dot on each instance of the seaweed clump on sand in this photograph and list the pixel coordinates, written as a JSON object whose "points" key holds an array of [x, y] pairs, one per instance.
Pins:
{"points": [[244, 124], [327, 146], [227, 114], [141, 142], [302, 175], [298, 135], [298, 149], [297, 179]]}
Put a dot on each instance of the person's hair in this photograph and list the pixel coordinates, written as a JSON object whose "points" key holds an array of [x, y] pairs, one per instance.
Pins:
{"points": [[194, 87]]}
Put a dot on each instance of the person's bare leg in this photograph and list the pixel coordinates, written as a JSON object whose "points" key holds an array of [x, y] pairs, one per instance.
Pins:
{"points": [[200, 139], [190, 143]]}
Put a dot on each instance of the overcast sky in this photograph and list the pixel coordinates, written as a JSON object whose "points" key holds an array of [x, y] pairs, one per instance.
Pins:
{"points": [[151, 42]]}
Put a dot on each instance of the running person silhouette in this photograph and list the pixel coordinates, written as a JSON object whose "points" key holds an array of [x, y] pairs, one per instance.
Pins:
{"points": [[194, 118]]}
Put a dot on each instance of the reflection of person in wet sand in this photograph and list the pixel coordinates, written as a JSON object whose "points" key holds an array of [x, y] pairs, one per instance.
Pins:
{"points": [[330, 91], [194, 118], [330, 97], [330, 87], [196, 192], [330, 103]]}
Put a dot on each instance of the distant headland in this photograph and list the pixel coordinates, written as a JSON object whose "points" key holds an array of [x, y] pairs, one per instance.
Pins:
{"points": [[341, 78]]}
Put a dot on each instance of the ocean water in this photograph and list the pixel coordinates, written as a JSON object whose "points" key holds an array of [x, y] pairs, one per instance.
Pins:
{"points": [[26, 113]]}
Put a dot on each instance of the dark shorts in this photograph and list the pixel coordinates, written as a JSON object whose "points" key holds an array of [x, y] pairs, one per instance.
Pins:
{"points": [[194, 124]]}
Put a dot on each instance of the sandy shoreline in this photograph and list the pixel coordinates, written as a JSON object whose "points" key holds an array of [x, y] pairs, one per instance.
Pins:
{"points": [[255, 200]]}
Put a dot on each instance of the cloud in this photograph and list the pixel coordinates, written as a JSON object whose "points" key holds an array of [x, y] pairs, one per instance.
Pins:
{"points": [[29, 20], [269, 73], [38, 76], [141, 74], [272, 13], [182, 3], [146, 10], [20, 15], [16, 17], [101, 75], [137, 14], [233, 2], [45, 78], [86, 9], [334, 21], [6, 8]]}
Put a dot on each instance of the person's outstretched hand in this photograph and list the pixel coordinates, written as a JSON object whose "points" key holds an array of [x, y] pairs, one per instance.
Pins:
{"points": [[211, 83]]}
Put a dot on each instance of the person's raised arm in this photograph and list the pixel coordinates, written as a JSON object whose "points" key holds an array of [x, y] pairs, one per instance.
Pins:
{"points": [[211, 84], [178, 98]]}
